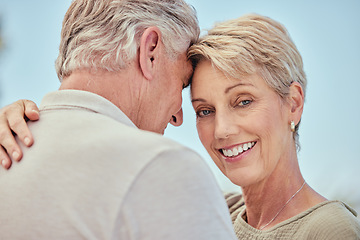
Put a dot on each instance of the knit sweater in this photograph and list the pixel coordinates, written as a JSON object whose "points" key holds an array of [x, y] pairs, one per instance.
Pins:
{"points": [[327, 220]]}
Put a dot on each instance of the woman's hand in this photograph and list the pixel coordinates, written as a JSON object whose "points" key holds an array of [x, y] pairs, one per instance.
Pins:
{"points": [[13, 122]]}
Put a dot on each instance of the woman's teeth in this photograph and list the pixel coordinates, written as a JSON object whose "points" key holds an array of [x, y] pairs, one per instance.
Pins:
{"points": [[237, 150]]}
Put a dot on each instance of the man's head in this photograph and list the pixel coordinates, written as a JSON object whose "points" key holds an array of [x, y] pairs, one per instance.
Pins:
{"points": [[106, 33], [110, 35]]}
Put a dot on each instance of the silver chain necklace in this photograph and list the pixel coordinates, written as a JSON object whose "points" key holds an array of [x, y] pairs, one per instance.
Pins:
{"points": [[282, 207]]}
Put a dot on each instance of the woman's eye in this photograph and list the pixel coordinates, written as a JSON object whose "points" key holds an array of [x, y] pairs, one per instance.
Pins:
{"points": [[204, 113], [244, 103]]}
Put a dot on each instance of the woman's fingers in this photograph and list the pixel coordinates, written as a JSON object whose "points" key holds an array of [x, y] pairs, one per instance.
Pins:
{"points": [[13, 122]]}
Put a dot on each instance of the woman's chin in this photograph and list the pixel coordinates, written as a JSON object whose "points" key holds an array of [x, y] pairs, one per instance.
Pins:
{"points": [[243, 177]]}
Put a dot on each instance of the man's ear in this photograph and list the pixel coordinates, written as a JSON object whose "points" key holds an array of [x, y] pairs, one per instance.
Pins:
{"points": [[149, 50], [296, 101]]}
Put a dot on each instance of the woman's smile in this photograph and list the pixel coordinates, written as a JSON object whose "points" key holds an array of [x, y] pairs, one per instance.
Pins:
{"points": [[232, 152]]}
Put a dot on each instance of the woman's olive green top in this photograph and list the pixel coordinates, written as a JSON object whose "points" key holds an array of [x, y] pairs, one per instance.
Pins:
{"points": [[327, 220]]}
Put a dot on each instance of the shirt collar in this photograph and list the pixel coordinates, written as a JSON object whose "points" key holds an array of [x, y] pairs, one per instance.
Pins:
{"points": [[86, 100]]}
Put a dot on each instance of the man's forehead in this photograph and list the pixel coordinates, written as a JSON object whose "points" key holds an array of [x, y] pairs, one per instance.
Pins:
{"points": [[188, 75]]}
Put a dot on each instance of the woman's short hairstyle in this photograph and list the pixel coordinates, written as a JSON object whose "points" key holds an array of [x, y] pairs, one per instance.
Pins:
{"points": [[105, 34], [253, 44]]}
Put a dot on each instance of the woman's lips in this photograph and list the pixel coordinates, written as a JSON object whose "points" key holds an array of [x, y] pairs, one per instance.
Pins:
{"points": [[237, 150]]}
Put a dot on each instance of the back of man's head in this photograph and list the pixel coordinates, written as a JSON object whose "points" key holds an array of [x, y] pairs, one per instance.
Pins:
{"points": [[104, 34]]}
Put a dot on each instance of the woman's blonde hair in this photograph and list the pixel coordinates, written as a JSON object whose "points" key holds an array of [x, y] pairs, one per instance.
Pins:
{"points": [[105, 33], [249, 44]]}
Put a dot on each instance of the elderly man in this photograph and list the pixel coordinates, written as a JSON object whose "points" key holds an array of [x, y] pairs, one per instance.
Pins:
{"points": [[94, 173]]}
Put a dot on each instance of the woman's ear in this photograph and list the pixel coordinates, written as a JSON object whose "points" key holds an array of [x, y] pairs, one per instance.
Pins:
{"points": [[149, 50], [296, 100]]}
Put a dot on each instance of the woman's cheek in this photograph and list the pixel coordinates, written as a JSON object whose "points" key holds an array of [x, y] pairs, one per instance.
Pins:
{"points": [[204, 135]]}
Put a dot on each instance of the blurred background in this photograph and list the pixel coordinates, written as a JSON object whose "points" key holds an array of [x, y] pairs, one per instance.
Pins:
{"points": [[327, 34]]}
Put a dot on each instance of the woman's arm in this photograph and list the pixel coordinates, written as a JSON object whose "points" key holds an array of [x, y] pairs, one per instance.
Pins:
{"points": [[13, 122]]}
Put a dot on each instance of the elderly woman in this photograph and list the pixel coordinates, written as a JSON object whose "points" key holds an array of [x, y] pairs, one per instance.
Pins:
{"points": [[248, 92]]}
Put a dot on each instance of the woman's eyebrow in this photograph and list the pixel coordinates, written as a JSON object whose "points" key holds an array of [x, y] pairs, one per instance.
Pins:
{"points": [[236, 85], [198, 100], [226, 91]]}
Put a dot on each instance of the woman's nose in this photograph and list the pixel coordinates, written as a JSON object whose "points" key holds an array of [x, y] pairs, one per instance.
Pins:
{"points": [[224, 126]]}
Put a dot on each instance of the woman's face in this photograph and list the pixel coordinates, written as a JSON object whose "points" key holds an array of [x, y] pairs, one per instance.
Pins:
{"points": [[243, 124]]}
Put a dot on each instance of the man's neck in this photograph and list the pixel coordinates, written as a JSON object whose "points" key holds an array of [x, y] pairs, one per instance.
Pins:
{"points": [[117, 87]]}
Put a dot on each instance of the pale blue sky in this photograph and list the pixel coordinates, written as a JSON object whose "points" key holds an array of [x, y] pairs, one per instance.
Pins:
{"points": [[327, 33]]}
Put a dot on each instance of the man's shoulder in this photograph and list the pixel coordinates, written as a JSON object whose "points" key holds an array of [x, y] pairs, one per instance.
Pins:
{"points": [[143, 140], [144, 146], [101, 128]]}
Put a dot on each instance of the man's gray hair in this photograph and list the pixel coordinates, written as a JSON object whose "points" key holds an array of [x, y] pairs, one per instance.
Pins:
{"points": [[105, 34]]}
